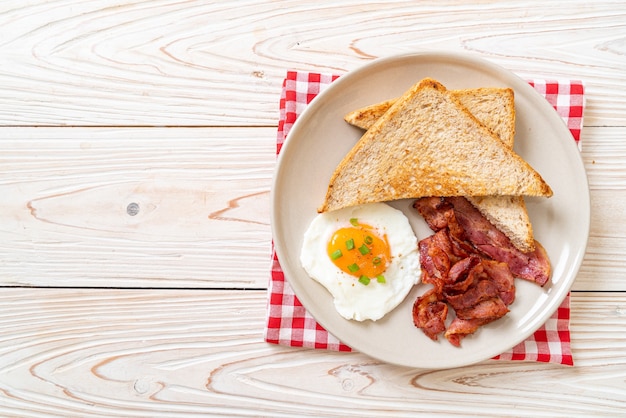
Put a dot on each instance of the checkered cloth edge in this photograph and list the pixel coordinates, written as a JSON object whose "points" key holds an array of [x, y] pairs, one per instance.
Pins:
{"points": [[549, 344], [289, 323]]}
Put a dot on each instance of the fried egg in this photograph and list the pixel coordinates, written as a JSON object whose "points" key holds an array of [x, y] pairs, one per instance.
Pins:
{"points": [[366, 256]]}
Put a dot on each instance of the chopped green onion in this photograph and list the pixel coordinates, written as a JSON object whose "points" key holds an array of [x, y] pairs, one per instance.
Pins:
{"points": [[336, 254], [350, 244], [353, 267], [377, 261], [381, 279], [364, 250], [354, 221], [364, 280], [369, 240]]}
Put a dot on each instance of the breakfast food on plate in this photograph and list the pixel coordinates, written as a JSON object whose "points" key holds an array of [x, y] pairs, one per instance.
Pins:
{"points": [[472, 267], [452, 152], [428, 144], [366, 256], [472, 232], [494, 108]]}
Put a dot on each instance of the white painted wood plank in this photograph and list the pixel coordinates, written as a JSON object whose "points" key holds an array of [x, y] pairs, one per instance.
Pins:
{"points": [[222, 63], [203, 198], [604, 153], [201, 194], [162, 353]]}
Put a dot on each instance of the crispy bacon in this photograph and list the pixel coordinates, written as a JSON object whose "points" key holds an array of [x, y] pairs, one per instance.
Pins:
{"points": [[460, 328], [435, 252], [472, 267], [486, 310], [434, 210], [462, 274], [469, 228], [482, 290], [469, 320], [490, 241], [502, 278], [430, 313]]}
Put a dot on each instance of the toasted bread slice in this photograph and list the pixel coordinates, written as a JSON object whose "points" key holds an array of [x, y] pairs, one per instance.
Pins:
{"points": [[494, 108], [429, 144]]}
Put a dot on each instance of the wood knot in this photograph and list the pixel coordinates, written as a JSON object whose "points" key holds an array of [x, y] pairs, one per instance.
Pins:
{"points": [[132, 209]]}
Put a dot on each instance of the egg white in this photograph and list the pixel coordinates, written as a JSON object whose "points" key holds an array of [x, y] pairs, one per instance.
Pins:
{"points": [[352, 299]]}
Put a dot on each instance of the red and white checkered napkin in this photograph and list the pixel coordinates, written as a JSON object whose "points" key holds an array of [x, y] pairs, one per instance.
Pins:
{"points": [[289, 323]]}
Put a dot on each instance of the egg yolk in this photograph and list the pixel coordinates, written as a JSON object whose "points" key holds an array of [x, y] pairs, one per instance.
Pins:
{"points": [[359, 251]]}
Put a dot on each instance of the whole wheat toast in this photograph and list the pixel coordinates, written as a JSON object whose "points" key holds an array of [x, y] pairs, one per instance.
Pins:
{"points": [[494, 108], [428, 144]]}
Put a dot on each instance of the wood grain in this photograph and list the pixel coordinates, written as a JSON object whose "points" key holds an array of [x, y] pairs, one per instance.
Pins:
{"points": [[603, 152], [187, 352], [137, 153], [203, 199], [189, 63]]}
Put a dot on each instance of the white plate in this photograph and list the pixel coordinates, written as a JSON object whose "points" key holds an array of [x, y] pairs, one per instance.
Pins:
{"points": [[319, 140]]}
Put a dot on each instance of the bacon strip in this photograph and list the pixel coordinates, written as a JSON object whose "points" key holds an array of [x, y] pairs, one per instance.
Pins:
{"points": [[430, 313], [502, 277], [467, 224], [479, 290], [472, 267], [459, 328]]}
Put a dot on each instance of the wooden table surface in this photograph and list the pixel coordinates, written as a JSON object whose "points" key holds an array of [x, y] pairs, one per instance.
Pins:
{"points": [[137, 145]]}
